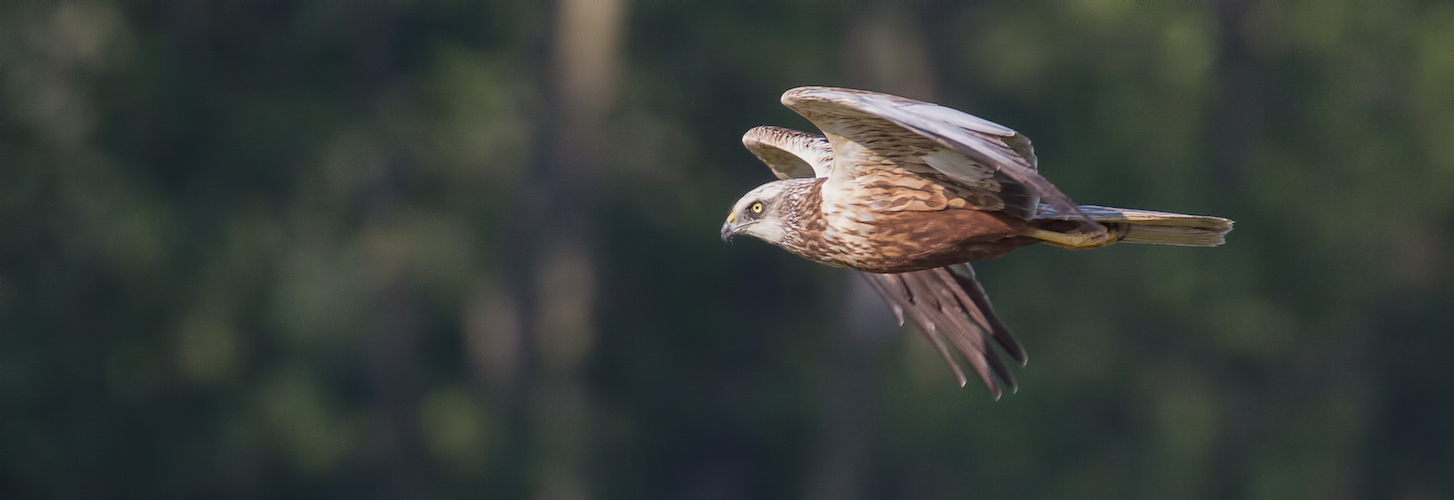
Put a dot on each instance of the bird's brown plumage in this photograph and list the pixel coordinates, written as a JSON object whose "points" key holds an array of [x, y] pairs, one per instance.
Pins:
{"points": [[909, 192]]}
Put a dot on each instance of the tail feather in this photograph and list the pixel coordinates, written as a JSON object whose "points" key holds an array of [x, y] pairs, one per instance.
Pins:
{"points": [[1173, 235], [1148, 226]]}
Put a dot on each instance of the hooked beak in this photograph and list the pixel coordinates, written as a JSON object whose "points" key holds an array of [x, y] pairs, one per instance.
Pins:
{"points": [[727, 231]]}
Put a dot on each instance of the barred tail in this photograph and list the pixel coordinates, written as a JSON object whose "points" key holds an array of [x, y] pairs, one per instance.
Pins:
{"points": [[1156, 228]]}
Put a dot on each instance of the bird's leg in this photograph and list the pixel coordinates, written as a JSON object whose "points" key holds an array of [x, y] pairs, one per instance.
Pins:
{"points": [[1075, 240]]}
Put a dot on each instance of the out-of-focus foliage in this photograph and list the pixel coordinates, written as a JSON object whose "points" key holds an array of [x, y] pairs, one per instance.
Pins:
{"points": [[271, 249]]}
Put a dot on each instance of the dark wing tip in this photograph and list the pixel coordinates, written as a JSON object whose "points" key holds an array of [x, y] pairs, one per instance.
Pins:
{"points": [[947, 315], [963, 275]]}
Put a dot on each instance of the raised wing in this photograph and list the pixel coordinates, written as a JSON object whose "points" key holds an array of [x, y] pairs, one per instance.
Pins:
{"points": [[790, 153], [948, 303], [872, 132]]}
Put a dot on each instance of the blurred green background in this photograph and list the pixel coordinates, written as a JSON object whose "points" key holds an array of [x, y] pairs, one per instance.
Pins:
{"points": [[321, 249]]}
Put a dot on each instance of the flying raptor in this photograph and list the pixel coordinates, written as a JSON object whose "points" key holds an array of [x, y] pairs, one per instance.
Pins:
{"points": [[909, 193]]}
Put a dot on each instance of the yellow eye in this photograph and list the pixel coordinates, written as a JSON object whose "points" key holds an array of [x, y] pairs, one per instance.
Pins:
{"points": [[756, 207]]}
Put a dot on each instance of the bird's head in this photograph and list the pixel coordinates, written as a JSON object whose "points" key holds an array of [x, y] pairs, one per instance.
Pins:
{"points": [[763, 212]]}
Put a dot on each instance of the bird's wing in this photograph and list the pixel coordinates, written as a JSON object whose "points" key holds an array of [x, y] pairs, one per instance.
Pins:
{"points": [[948, 303], [790, 153], [872, 132]]}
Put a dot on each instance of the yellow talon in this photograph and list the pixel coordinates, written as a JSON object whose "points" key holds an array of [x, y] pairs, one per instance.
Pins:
{"points": [[1074, 240]]}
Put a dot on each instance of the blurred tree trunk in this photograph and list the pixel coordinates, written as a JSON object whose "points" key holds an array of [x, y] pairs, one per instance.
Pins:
{"points": [[885, 51], [1235, 126], [553, 241], [394, 325]]}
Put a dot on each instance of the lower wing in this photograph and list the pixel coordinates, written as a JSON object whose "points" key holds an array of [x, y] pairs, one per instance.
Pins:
{"points": [[948, 303]]}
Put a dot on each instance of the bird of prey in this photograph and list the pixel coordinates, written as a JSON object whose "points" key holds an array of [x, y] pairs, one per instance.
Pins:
{"points": [[908, 193]]}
